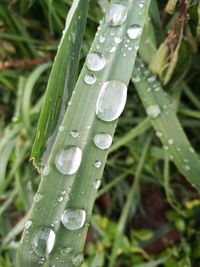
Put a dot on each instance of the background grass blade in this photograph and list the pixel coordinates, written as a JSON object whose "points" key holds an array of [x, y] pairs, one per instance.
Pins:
{"points": [[61, 82], [167, 125], [77, 191], [130, 204]]}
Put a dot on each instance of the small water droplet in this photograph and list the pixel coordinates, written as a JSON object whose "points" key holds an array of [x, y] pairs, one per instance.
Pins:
{"points": [[66, 250], [77, 259], [46, 170], [97, 164], [136, 79], [73, 219], [68, 160], [37, 197], [95, 61], [90, 78], [60, 198], [61, 128], [111, 100], [159, 134], [170, 141], [116, 15], [102, 39], [103, 140], [117, 39], [153, 111], [112, 49], [187, 167], [27, 224], [134, 31], [97, 184], [43, 242], [74, 133], [141, 5]]}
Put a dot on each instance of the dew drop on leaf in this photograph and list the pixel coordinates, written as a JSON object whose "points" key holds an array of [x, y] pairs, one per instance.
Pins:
{"points": [[116, 15], [134, 31], [102, 140], [27, 224], [73, 219], [43, 242], [153, 111], [68, 160], [74, 133], [97, 164], [111, 100], [90, 78], [97, 184], [95, 61]]}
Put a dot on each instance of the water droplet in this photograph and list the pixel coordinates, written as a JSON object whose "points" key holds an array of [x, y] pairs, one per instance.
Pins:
{"points": [[111, 100], [159, 134], [27, 224], [141, 5], [73, 219], [43, 242], [117, 39], [68, 160], [60, 198], [97, 164], [46, 170], [95, 61], [103, 140], [102, 39], [97, 184], [153, 111], [112, 49], [191, 150], [134, 31], [74, 133], [116, 15], [136, 79], [66, 250], [90, 78], [170, 141], [77, 259], [37, 197], [187, 167], [61, 128]]}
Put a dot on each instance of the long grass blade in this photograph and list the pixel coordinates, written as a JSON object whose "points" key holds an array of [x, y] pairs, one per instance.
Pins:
{"points": [[166, 124], [112, 61], [61, 82]]}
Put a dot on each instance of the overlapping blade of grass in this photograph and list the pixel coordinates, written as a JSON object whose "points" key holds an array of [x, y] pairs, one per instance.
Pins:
{"points": [[131, 203], [61, 82], [78, 191], [166, 124]]}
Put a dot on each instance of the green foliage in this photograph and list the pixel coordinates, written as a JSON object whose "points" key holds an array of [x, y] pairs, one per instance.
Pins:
{"points": [[145, 213]]}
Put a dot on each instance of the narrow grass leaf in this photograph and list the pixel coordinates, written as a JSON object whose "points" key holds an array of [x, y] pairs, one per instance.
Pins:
{"points": [[166, 124], [61, 82], [68, 187]]}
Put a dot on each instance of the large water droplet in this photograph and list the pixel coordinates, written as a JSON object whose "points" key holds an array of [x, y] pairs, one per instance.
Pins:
{"points": [[43, 242], [95, 61], [103, 140], [90, 78], [134, 31], [68, 160], [111, 100], [73, 219], [116, 15], [153, 111]]}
